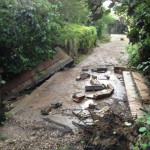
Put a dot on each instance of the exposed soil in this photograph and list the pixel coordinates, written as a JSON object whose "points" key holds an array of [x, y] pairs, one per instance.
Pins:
{"points": [[29, 130]]}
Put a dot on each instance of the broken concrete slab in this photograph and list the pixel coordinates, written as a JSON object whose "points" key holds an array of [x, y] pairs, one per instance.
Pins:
{"points": [[78, 97], [94, 82], [81, 113], [95, 87], [82, 76], [86, 104], [89, 96], [100, 70], [105, 93], [45, 110]]}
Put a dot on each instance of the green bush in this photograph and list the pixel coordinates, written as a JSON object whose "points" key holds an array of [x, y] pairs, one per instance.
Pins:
{"points": [[102, 26], [28, 32], [77, 38], [133, 52]]}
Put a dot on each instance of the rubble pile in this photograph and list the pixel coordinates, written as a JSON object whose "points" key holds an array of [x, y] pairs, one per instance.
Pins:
{"points": [[104, 129]]}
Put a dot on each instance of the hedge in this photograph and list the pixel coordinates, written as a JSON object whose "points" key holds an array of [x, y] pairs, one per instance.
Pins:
{"points": [[28, 32], [77, 39]]}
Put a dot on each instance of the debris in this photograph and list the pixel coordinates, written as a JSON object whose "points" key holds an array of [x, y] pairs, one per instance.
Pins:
{"points": [[104, 129], [85, 105], [94, 77], [119, 69], [99, 70], [128, 124], [56, 105], [81, 113], [83, 76], [78, 97], [89, 96], [102, 112], [107, 76], [85, 69], [105, 93], [95, 87], [92, 106], [46, 110], [78, 78], [94, 82]]}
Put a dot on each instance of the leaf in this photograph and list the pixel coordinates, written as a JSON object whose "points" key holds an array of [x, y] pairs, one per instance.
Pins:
{"points": [[142, 129], [148, 122], [139, 120]]}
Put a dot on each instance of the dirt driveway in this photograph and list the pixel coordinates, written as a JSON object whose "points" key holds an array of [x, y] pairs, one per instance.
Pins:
{"points": [[29, 130]]}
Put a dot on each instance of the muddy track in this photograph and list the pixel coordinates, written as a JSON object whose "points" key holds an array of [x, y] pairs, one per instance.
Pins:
{"points": [[60, 87]]}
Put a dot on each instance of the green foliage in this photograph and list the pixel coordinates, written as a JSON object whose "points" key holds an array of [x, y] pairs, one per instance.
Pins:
{"points": [[96, 10], [145, 66], [28, 32], [132, 50], [74, 11], [102, 26], [143, 141], [137, 15], [77, 38]]}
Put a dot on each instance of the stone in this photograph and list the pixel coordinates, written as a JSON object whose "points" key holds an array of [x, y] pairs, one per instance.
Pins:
{"points": [[95, 87], [119, 70], [92, 106], [9, 107], [78, 97], [78, 78], [105, 93], [1, 145], [85, 69], [102, 111], [89, 96], [84, 76], [99, 70], [94, 77], [107, 76], [94, 82], [56, 105], [46, 110]]}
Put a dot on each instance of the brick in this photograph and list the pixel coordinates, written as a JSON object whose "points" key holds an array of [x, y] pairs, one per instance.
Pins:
{"points": [[78, 97], [132, 95], [119, 70], [142, 88]]}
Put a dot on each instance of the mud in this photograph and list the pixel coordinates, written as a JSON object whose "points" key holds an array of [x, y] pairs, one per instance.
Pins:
{"points": [[62, 85]]}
